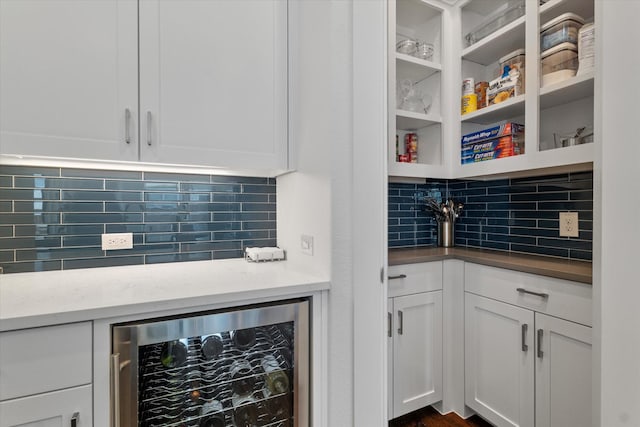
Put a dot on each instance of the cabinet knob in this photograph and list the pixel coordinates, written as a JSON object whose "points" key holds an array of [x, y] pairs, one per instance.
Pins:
{"points": [[74, 419]]}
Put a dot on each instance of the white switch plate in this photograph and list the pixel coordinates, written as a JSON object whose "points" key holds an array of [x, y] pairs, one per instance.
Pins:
{"points": [[569, 224], [306, 244], [113, 241]]}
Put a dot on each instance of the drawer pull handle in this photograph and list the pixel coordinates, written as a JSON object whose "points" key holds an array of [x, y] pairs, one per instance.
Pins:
{"points": [[400, 322], [525, 347], [74, 419], [399, 276], [149, 129], [127, 125], [538, 294], [389, 326], [540, 333]]}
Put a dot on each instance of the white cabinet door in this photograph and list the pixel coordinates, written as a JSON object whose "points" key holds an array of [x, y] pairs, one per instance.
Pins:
{"points": [[417, 351], [55, 409], [68, 73], [499, 357], [563, 373], [213, 82]]}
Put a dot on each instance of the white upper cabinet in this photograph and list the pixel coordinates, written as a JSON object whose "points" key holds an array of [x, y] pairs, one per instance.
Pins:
{"points": [[213, 82], [68, 73], [212, 75]]}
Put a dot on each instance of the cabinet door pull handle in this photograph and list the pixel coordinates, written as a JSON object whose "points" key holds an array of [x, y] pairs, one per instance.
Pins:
{"points": [[540, 333], [525, 347], [399, 276], [74, 419], [389, 324], [115, 389], [149, 128], [127, 126], [538, 294], [400, 322]]}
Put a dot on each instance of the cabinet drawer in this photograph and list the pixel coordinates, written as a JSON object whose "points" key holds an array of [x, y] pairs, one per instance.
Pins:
{"points": [[44, 359], [49, 409], [566, 299], [409, 279]]}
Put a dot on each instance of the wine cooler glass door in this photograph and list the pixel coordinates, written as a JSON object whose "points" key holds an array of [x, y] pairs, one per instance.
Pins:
{"points": [[241, 368]]}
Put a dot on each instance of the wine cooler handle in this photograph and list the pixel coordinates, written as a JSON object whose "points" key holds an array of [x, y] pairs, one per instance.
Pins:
{"points": [[389, 324], [399, 322], [525, 347], [74, 419], [115, 389], [540, 333]]}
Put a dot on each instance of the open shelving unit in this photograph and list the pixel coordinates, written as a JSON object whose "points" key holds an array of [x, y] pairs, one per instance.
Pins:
{"points": [[549, 113]]}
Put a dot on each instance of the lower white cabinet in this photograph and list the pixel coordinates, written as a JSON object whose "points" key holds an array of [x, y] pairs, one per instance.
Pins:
{"points": [[563, 373], [64, 408], [414, 338], [46, 376], [524, 367], [499, 361]]}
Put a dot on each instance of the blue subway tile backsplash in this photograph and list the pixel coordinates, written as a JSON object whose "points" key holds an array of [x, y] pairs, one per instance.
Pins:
{"points": [[52, 218], [515, 215]]}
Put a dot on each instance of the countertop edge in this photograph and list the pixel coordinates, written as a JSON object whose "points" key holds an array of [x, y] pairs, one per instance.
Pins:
{"points": [[152, 308], [520, 262]]}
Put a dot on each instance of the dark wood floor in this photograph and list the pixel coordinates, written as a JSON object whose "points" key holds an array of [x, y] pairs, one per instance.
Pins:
{"points": [[429, 417]]}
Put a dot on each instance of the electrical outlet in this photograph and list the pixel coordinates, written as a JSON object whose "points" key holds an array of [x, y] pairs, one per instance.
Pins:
{"points": [[113, 241], [569, 224], [306, 244]]}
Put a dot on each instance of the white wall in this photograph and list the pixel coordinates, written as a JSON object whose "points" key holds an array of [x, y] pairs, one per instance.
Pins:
{"points": [[617, 204], [317, 199]]}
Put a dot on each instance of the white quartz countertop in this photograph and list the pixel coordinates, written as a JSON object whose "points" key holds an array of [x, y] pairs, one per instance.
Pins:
{"points": [[45, 298]]}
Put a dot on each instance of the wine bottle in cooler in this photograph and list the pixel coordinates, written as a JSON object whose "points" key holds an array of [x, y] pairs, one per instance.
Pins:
{"points": [[212, 414], [242, 378], [211, 346], [173, 353], [276, 379], [245, 411], [243, 339]]}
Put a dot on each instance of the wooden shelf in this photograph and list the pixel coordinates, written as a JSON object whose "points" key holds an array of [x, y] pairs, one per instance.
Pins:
{"points": [[503, 111], [408, 120]]}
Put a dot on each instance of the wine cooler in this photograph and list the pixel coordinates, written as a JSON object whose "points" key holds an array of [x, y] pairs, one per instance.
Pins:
{"points": [[243, 367]]}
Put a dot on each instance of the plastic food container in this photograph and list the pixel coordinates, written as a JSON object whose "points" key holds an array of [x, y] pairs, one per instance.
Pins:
{"points": [[501, 17], [515, 60], [559, 63], [586, 48], [563, 29]]}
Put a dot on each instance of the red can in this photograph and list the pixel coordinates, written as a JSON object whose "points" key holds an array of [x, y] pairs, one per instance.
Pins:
{"points": [[411, 147]]}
